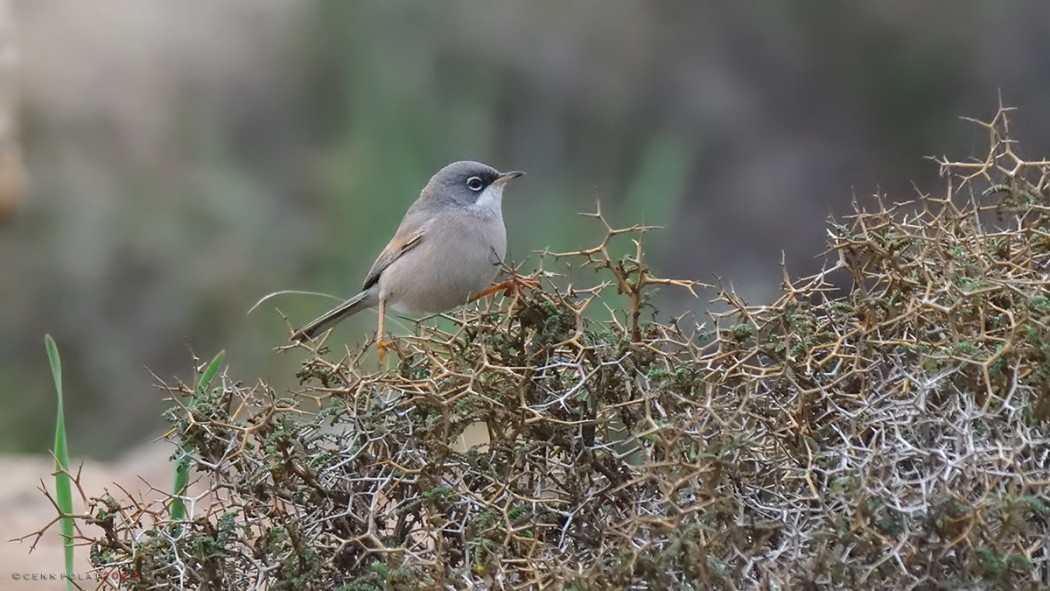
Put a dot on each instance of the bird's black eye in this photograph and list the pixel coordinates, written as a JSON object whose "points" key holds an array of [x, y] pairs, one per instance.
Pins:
{"points": [[475, 183]]}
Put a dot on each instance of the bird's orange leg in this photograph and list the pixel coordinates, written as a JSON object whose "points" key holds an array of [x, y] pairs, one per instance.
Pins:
{"points": [[509, 287], [381, 345]]}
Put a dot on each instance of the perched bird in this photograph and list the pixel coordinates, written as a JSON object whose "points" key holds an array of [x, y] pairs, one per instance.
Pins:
{"points": [[447, 251]]}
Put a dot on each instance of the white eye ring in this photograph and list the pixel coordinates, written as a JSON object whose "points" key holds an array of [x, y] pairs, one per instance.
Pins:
{"points": [[475, 183]]}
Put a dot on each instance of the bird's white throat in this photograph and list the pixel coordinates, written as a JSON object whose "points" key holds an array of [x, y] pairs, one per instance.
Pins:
{"points": [[491, 198]]}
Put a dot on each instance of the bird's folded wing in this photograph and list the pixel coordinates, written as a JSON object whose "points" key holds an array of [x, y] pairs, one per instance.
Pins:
{"points": [[398, 246]]}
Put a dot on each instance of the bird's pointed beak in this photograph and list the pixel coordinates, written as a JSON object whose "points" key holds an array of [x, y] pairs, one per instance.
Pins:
{"points": [[504, 177]]}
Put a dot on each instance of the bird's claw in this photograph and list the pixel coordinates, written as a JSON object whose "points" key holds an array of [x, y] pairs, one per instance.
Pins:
{"points": [[383, 345], [510, 287]]}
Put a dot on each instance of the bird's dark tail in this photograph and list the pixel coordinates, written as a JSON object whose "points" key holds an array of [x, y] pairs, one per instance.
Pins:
{"points": [[361, 301]]}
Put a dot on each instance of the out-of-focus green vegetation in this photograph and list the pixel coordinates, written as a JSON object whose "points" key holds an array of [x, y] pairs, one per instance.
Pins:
{"points": [[182, 164]]}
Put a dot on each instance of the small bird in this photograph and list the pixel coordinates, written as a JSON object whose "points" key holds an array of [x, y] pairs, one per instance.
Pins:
{"points": [[447, 251]]}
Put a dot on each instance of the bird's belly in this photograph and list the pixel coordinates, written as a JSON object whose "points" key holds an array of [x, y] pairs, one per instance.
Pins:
{"points": [[426, 286]]}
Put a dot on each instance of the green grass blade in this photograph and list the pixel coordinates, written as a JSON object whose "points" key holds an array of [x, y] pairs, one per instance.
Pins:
{"points": [[210, 372], [63, 483], [183, 457], [182, 480]]}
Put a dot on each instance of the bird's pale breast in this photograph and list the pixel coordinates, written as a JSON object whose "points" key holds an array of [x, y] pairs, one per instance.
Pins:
{"points": [[458, 257]]}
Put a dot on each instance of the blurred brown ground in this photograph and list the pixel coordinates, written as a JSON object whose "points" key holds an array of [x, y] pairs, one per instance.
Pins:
{"points": [[24, 509]]}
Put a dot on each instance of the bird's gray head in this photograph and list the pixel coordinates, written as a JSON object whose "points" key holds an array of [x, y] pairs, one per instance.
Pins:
{"points": [[468, 183]]}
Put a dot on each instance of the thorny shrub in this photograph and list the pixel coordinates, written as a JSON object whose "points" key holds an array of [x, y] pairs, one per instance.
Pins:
{"points": [[882, 425]]}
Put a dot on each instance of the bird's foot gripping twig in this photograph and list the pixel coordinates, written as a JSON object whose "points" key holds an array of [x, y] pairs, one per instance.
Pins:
{"points": [[383, 345], [510, 287]]}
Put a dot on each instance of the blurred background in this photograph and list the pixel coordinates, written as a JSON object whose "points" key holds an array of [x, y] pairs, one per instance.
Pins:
{"points": [[161, 168]]}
